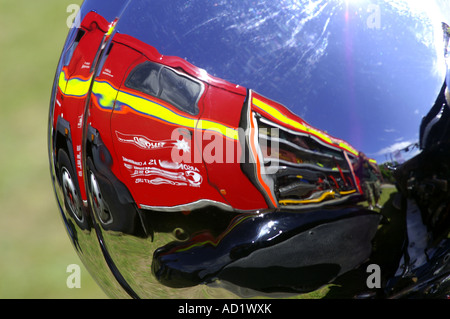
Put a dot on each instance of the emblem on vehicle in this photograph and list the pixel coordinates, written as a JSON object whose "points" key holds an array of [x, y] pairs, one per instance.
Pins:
{"points": [[146, 143]]}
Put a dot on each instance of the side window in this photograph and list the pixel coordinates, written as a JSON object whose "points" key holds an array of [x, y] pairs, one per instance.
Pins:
{"points": [[145, 78], [159, 81], [179, 90]]}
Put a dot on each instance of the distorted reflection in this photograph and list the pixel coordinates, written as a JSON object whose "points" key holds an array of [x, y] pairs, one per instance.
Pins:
{"points": [[182, 161]]}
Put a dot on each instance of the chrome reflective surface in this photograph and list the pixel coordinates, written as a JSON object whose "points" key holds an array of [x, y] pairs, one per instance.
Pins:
{"points": [[211, 149]]}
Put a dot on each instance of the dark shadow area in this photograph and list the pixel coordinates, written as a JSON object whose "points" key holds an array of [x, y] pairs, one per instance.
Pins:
{"points": [[387, 249]]}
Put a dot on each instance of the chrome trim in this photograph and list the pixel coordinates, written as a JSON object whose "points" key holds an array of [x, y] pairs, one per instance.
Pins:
{"points": [[201, 203]]}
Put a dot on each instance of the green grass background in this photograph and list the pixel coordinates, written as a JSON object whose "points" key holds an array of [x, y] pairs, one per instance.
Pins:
{"points": [[34, 247]]}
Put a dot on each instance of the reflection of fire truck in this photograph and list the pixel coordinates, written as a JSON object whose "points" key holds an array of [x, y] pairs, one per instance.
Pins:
{"points": [[138, 130]]}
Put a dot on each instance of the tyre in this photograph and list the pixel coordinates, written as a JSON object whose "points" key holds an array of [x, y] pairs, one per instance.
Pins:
{"points": [[72, 197]]}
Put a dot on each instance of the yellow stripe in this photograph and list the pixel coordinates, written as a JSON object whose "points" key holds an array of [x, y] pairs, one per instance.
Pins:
{"points": [[153, 109], [284, 119], [278, 115], [62, 82], [329, 194], [348, 148], [75, 86], [112, 26], [106, 94], [218, 128], [348, 192], [148, 107], [308, 201]]}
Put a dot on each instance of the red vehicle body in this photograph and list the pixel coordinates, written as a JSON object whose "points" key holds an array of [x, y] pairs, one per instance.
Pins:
{"points": [[176, 138]]}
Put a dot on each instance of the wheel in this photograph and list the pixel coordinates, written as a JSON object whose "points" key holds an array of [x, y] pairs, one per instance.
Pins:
{"points": [[111, 202], [72, 199], [98, 203]]}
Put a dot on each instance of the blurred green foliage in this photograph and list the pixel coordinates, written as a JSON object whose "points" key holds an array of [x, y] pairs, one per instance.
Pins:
{"points": [[34, 247], [387, 174]]}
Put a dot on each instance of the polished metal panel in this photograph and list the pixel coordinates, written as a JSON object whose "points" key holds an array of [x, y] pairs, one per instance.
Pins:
{"points": [[210, 148]]}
